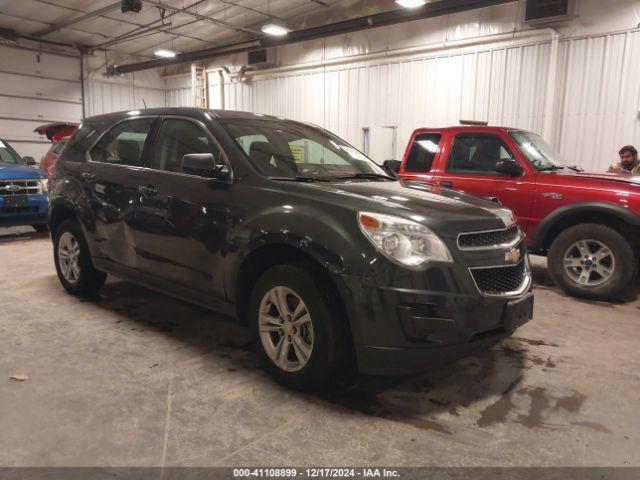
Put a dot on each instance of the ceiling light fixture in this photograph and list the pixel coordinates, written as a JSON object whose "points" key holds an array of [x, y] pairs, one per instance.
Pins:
{"points": [[411, 3], [164, 53], [275, 29]]}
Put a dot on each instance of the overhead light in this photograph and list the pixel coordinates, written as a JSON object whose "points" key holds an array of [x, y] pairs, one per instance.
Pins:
{"points": [[411, 3], [164, 53], [275, 29]]}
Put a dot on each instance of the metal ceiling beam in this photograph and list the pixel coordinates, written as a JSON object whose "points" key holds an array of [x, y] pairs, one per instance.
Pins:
{"points": [[204, 18], [429, 10], [87, 16]]}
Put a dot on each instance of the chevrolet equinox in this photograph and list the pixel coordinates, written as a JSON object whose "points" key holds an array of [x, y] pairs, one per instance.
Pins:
{"points": [[328, 258]]}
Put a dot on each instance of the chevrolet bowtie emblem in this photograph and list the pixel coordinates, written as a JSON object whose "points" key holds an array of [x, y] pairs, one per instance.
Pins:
{"points": [[513, 255]]}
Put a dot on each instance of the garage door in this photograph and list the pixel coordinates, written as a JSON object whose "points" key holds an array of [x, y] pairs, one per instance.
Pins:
{"points": [[36, 88]]}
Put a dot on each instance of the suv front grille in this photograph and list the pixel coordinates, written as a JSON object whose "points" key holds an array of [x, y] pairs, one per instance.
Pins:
{"points": [[29, 186], [490, 240], [503, 280]]}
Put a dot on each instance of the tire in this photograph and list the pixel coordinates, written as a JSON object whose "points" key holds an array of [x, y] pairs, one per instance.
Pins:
{"points": [[40, 227], [326, 335], [86, 280], [618, 267]]}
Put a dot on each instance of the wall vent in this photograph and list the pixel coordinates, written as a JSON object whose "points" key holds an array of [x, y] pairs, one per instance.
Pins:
{"points": [[264, 58], [547, 11]]}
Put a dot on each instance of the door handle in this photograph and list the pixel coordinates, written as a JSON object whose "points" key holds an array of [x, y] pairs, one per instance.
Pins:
{"points": [[89, 177], [446, 184], [148, 190]]}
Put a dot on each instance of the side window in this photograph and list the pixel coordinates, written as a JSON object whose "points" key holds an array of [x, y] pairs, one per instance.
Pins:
{"points": [[178, 138], [124, 143], [423, 151], [471, 153]]}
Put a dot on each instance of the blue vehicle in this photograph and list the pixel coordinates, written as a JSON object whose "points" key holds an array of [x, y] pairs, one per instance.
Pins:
{"points": [[23, 190]]}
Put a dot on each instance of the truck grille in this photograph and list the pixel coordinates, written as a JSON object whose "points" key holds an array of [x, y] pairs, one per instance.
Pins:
{"points": [[490, 240], [29, 186], [503, 280]]}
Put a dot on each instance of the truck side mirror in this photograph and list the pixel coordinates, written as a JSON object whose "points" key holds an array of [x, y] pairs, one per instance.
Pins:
{"points": [[205, 165], [392, 166], [29, 160], [509, 166]]}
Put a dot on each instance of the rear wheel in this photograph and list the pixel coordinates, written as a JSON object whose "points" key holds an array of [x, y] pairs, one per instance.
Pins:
{"points": [[73, 260], [591, 261], [300, 335]]}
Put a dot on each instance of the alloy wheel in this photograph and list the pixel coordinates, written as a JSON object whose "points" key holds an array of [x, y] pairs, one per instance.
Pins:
{"points": [[285, 328], [69, 257], [589, 263]]}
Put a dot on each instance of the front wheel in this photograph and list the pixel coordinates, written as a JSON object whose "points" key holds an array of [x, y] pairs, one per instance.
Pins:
{"points": [[73, 260], [301, 336], [591, 261]]}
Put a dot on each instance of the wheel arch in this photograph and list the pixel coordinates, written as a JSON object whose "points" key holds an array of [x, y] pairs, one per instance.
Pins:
{"points": [[58, 213], [620, 219]]}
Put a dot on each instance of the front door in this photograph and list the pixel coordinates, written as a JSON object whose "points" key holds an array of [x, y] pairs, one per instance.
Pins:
{"points": [[112, 179], [183, 217], [471, 168]]}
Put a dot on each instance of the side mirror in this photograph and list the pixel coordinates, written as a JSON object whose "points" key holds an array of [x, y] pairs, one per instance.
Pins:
{"points": [[510, 167], [392, 166], [30, 160], [204, 165]]}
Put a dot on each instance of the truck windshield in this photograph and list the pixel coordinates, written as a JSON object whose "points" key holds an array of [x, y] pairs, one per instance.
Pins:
{"points": [[289, 150], [541, 155], [8, 154]]}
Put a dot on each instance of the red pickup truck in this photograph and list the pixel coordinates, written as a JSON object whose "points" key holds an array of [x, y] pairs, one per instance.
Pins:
{"points": [[587, 224]]}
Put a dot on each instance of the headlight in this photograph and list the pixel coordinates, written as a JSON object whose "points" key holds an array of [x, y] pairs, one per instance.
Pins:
{"points": [[404, 241], [44, 182]]}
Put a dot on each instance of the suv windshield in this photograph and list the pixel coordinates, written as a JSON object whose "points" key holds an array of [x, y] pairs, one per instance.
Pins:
{"points": [[8, 154], [541, 155], [290, 150]]}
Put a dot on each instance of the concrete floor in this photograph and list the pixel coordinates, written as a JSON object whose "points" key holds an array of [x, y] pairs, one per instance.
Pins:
{"points": [[136, 378]]}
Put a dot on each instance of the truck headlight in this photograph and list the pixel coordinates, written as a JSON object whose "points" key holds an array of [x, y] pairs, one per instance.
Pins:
{"points": [[403, 241], [44, 182]]}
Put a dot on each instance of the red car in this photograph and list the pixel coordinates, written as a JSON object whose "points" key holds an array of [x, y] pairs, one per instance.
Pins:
{"points": [[58, 133], [588, 224]]}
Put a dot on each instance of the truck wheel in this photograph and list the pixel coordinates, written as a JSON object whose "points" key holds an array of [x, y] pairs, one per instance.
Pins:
{"points": [[299, 334], [40, 227], [73, 260], [591, 261]]}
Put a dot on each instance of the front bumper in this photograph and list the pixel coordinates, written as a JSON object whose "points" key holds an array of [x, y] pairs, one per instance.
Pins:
{"points": [[405, 321], [35, 212]]}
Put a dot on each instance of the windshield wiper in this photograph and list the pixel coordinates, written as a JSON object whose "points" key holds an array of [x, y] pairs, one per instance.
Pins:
{"points": [[302, 178], [552, 168], [371, 176]]}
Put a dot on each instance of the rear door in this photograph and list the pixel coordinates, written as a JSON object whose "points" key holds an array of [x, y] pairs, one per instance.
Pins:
{"points": [[112, 177], [183, 218], [469, 165]]}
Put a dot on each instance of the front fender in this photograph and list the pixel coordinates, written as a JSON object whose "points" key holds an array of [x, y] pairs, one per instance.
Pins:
{"points": [[563, 213], [332, 239]]}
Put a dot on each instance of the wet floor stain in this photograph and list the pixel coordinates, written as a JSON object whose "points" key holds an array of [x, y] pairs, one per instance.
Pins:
{"points": [[539, 404], [498, 411], [534, 343]]}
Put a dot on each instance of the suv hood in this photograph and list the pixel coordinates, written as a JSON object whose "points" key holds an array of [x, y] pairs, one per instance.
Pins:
{"points": [[448, 212], [10, 171]]}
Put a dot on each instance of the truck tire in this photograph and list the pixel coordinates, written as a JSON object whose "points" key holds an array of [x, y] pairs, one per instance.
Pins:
{"points": [[301, 338], [73, 260], [592, 261]]}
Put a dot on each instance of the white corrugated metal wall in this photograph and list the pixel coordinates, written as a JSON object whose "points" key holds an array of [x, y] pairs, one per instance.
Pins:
{"points": [[599, 108], [501, 85], [36, 88], [596, 101]]}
